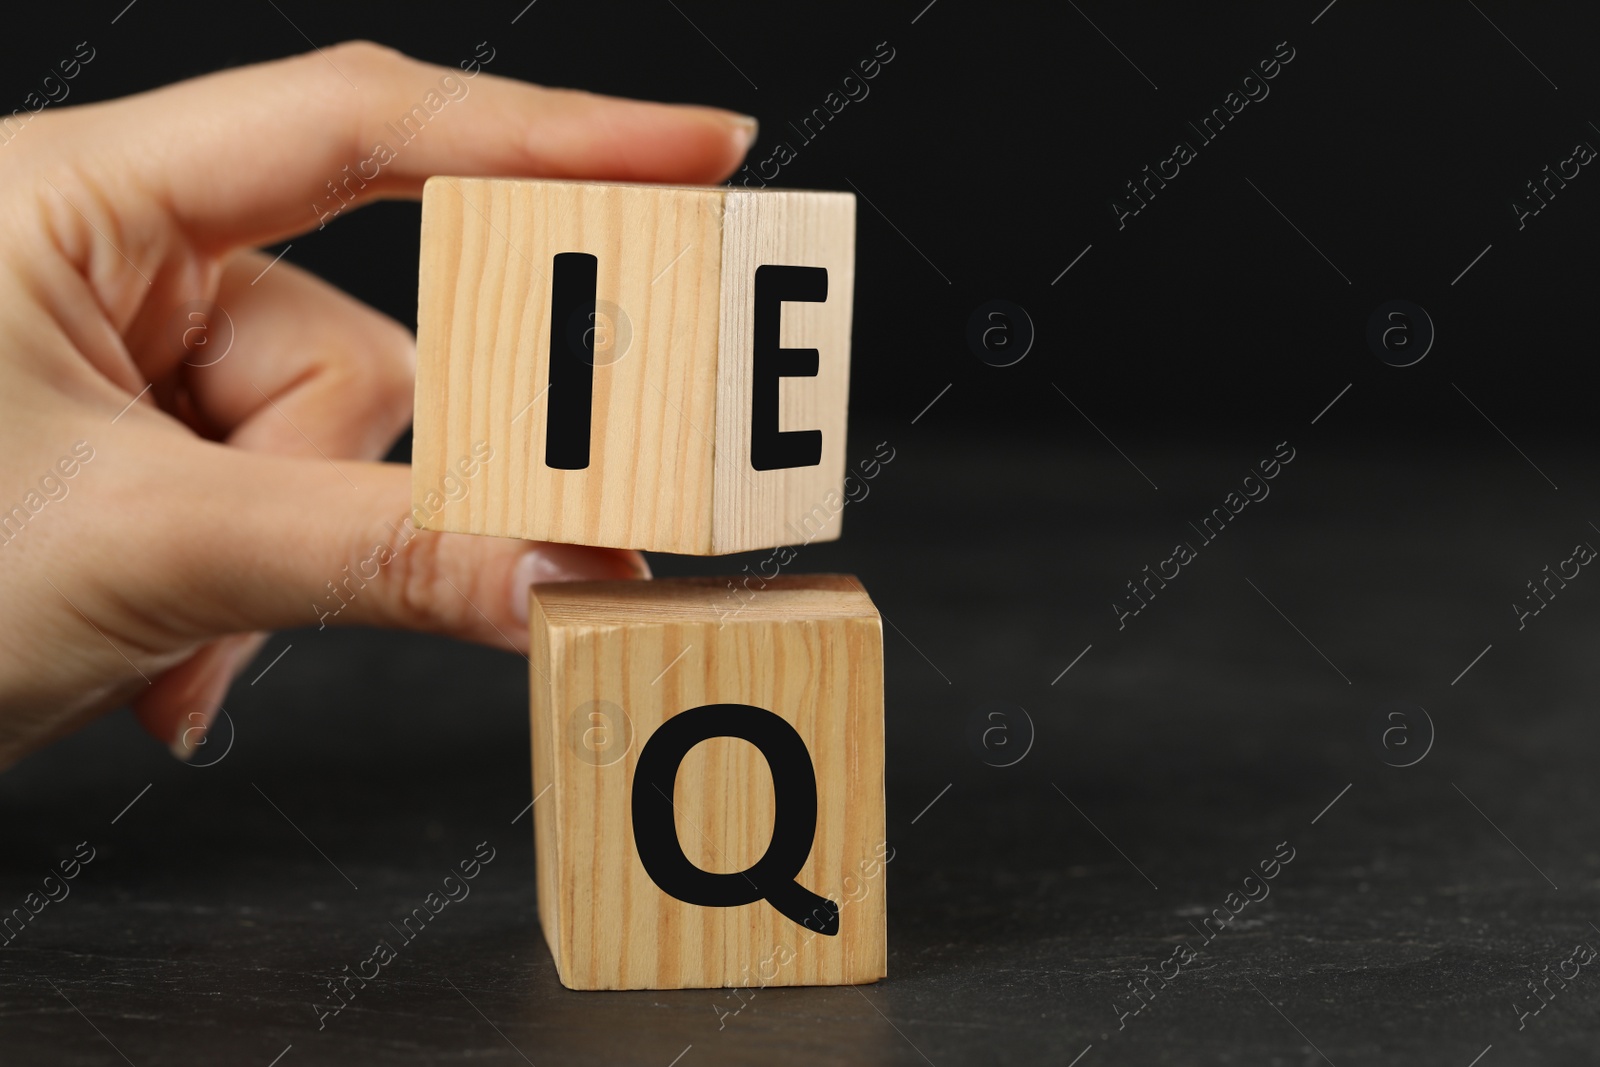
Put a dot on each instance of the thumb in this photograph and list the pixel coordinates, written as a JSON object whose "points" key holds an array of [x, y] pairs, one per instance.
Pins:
{"points": [[269, 542], [281, 542]]}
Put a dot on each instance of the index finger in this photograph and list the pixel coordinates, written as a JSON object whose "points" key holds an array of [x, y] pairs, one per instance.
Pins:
{"points": [[253, 155]]}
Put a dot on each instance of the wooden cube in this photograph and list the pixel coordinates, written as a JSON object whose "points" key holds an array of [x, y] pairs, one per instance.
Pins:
{"points": [[677, 734], [654, 367]]}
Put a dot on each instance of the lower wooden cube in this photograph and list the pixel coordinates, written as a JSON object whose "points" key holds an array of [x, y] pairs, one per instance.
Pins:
{"points": [[708, 775]]}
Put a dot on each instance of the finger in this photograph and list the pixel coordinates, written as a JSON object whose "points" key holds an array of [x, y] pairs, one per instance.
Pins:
{"points": [[180, 706], [260, 542], [261, 152], [286, 363]]}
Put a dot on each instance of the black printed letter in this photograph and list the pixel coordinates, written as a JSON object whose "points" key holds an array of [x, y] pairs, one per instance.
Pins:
{"points": [[770, 447], [794, 824], [570, 407]]}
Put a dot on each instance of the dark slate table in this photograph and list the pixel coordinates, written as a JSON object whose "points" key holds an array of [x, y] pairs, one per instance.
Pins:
{"points": [[1258, 705]]}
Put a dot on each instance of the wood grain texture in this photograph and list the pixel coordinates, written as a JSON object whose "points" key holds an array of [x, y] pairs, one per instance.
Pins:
{"points": [[669, 467], [808, 648]]}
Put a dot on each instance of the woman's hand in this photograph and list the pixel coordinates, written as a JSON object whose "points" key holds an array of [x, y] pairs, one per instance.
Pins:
{"points": [[160, 502]]}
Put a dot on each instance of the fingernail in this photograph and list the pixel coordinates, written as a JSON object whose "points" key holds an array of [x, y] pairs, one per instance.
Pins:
{"points": [[569, 563], [745, 128], [192, 735]]}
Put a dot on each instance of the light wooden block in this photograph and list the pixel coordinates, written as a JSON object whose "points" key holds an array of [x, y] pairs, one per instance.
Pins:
{"points": [[617, 667], [684, 407]]}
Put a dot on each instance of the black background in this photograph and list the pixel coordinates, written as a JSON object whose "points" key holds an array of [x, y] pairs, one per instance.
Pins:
{"points": [[996, 140], [1175, 753]]}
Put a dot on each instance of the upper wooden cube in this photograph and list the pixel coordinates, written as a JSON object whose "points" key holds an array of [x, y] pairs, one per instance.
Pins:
{"points": [[636, 366]]}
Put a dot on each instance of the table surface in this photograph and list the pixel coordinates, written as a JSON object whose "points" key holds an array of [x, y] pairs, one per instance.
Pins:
{"points": [[1248, 709]]}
